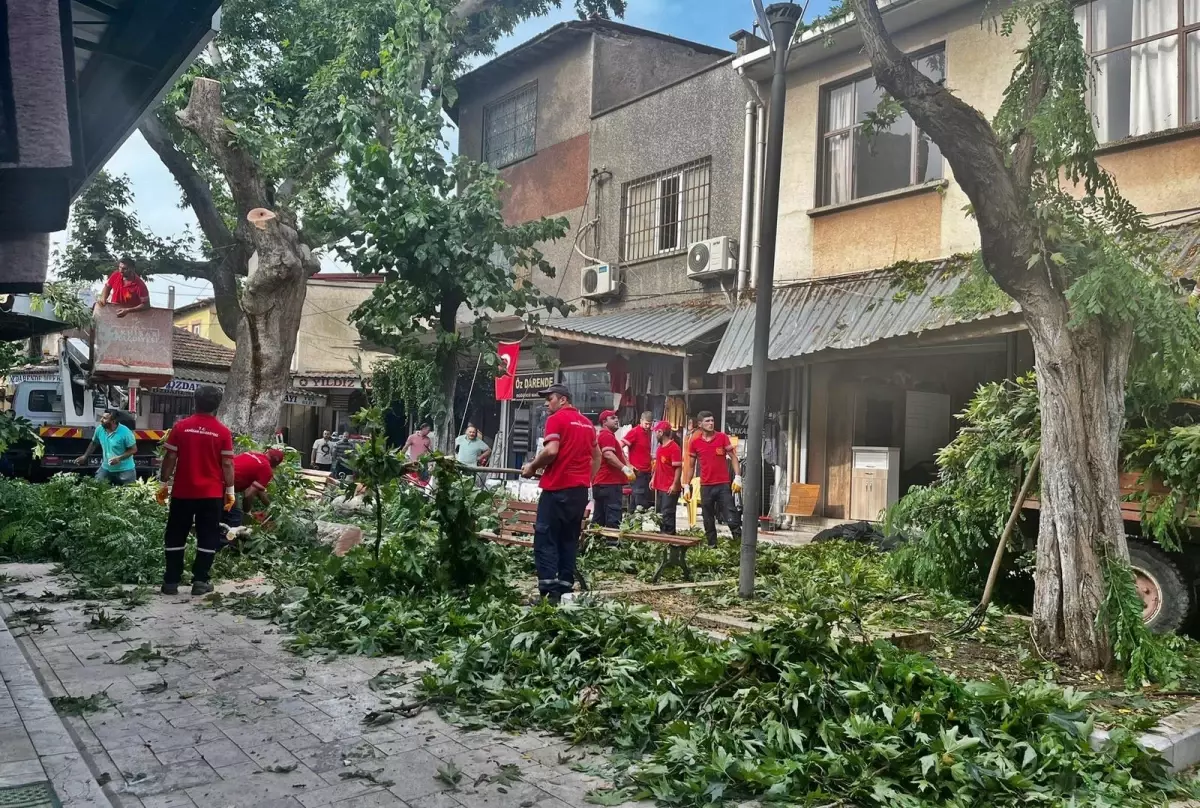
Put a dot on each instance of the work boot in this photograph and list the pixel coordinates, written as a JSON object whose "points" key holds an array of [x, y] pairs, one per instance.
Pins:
{"points": [[170, 589], [201, 587]]}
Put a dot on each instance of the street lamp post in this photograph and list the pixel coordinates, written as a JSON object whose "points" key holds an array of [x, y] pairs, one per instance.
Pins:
{"points": [[783, 19]]}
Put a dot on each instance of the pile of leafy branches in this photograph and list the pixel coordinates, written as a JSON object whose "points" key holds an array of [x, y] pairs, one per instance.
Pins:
{"points": [[430, 579], [953, 525], [796, 713]]}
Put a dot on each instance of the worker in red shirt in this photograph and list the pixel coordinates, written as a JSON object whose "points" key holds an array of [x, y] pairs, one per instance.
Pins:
{"points": [[608, 484], [637, 447], [714, 451], [252, 473], [667, 482], [125, 288], [570, 458], [197, 474]]}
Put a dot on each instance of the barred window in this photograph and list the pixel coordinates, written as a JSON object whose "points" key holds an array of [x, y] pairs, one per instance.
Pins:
{"points": [[510, 127], [666, 212]]}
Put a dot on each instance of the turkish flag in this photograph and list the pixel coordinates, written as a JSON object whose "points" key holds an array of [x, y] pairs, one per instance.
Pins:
{"points": [[508, 353]]}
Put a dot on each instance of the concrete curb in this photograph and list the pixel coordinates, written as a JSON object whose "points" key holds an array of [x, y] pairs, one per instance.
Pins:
{"points": [[1176, 738], [61, 759]]}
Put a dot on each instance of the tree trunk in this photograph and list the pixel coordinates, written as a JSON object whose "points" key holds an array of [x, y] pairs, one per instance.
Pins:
{"points": [[272, 299], [447, 430], [272, 303], [1081, 390]]}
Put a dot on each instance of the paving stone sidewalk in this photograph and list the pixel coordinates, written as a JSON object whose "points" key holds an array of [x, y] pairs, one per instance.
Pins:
{"points": [[229, 718]]}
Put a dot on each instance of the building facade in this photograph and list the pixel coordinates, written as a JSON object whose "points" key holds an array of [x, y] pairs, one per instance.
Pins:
{"points": [[636, 138], [870, 230]]}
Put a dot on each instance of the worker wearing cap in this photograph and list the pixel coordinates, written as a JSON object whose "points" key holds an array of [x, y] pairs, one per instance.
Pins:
{"points": [[637, 448], [608, 485], [714, 451], [197, 474], [570, 458], [252, 473], [668, 473]]}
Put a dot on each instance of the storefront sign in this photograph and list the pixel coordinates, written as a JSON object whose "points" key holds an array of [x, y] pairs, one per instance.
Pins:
{"points": [[17, 378], [302, 398], [330, 382], [527, 385]]}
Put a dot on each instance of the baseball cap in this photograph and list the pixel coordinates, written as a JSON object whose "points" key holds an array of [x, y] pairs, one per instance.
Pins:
{"points": [[662, 426], [607, 414], [555, 389], [275, 456]]}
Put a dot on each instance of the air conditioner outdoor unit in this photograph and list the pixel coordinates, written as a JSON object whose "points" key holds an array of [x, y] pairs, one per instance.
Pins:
{"points": [[599, 280], [716, 256]]}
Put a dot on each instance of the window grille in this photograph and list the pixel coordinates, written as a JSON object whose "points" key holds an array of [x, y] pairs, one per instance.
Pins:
{"points": [[666, 212], [510, 127]]}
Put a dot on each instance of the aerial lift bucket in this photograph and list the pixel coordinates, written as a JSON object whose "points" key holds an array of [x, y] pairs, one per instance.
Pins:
{"points": [[135, 350]]}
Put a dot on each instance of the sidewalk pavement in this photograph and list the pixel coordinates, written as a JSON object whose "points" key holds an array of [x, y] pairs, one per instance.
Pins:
{"points": [[215, 713]]}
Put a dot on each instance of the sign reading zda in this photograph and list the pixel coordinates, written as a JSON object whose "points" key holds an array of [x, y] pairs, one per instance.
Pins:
{"points": [[527, 385]]}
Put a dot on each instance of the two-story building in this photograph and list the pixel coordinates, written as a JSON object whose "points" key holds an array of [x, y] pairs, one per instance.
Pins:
{"points": [[866, 356], [638, 140]]}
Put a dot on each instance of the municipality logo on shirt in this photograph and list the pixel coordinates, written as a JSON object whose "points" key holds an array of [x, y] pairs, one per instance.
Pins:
{"points": [[199, 430]]}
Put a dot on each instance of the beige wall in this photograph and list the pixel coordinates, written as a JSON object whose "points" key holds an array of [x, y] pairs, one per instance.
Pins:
{"points": [[327, 341], [1158, 176]]}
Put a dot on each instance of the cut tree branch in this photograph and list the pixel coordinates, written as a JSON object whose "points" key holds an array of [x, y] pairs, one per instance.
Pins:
{"points": [[196, 190]]}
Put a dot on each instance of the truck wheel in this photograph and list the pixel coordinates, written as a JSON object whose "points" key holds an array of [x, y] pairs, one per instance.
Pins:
{"points": [[1166, 600]]}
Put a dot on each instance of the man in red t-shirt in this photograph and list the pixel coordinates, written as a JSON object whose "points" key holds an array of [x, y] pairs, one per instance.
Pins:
{"points": [[608, 485], [570, 458], [125, 288], [714, 451], [637, 444], [668, 467], [197, 473], [252, 473]]}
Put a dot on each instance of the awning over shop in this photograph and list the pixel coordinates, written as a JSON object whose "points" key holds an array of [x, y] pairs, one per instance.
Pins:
{"points": [[658, 329], [847, 312]]}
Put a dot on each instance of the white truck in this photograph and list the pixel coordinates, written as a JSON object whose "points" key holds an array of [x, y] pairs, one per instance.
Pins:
{"points": [[65, 401]]}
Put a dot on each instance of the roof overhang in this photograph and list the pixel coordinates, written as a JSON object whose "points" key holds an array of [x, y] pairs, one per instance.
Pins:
{"points": [[843, 36], [20, 319], [666, 330]]}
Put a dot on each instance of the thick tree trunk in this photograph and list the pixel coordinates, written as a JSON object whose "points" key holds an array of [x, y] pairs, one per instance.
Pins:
{"points": [[1081, 388], [272, 299], [272, 303], [447, 430]]}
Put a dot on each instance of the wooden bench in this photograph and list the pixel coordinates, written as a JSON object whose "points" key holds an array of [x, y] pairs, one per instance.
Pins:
{"points": [[516, 530], [674, 551]]}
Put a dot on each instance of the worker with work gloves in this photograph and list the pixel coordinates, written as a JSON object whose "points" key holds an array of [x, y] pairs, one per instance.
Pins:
{"points": [[197, 475], [608, 485], [714, 451]]}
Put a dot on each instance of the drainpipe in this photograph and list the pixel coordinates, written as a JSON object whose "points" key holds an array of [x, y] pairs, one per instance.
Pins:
{"points": [[760, 162], [748, 206]]}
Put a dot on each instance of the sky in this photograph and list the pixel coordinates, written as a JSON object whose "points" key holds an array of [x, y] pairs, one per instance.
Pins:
{"points": [[157, 197]]}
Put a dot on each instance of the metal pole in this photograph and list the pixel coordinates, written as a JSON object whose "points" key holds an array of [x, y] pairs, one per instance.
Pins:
{"points": [[783, 18]]}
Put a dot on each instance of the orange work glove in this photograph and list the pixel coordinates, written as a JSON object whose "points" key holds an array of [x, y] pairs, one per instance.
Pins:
{"points": [[164, 492], [230, 499]]}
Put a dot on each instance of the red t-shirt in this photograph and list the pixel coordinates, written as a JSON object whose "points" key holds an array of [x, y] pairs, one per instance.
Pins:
{"points": [[127, 293], [638, 441], [607, 475], [667, 460], [713, 456], [252, 469], [199, 442], [576, 437]]}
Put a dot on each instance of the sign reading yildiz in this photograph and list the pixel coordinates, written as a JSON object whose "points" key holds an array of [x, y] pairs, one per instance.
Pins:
{"points": [[527, 385], [506, 371], [318, 382]]}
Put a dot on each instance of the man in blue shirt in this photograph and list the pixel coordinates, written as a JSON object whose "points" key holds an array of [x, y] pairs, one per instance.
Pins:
{"points": [[117, 447]]}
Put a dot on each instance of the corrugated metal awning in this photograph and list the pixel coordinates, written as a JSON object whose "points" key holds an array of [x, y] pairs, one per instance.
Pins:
{"points": [[844, 313], [657, 329]]}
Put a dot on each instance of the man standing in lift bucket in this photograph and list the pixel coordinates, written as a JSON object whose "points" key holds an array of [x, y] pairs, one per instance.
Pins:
{"points": [[714, 450], [570, 458], [197, 474]]}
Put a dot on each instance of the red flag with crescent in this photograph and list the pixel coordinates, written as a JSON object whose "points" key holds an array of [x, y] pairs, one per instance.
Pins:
{"points": [[506, 375]]}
